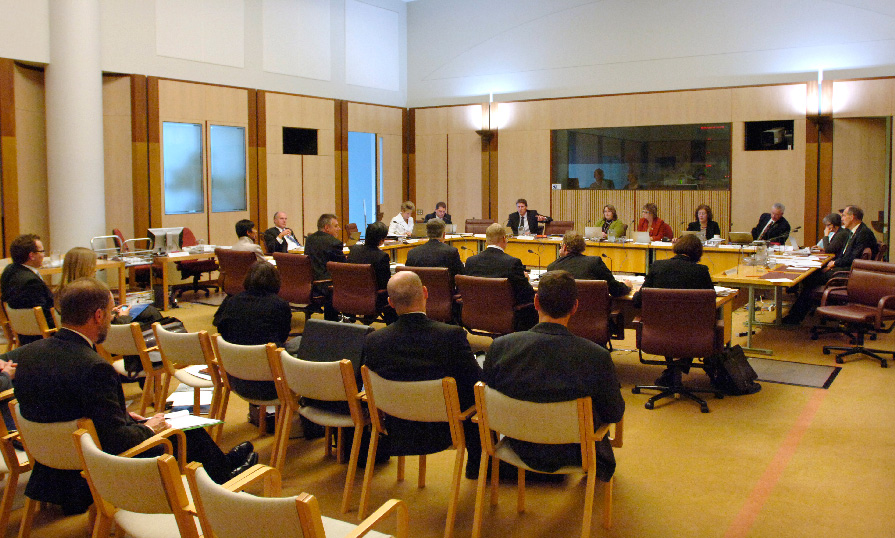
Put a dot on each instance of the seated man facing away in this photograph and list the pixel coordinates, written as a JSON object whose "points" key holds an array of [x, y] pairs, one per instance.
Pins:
{"points": [[582, 267], [550, 364], [324, 246], [435, 252], [493, 262], [246, 234], [62, 378], [20, 284], [415, 348]]}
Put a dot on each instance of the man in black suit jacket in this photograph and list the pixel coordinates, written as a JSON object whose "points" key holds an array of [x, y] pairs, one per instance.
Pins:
{"points": [[440, 213], [369, 253], [573, 260], [682, 272], [435, 253], [550, 364], [20, 284], [525, 220], [493, 262], [772, 227], [861, 237], [62, 378], [280, 238], [324, 246], [416, 348]]}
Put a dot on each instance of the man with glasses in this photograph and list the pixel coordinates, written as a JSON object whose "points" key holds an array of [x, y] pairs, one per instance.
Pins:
{"points": [[21, 285]]}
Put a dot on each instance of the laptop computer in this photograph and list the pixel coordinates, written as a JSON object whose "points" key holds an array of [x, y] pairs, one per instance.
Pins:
{"points": [[739, 238], [419, 230], [641, 237], [700, 234]]}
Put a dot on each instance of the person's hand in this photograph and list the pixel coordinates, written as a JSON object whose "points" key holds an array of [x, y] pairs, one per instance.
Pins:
{"points": [[602, 235], [541, 218], [136, 416], [284, 233], [9, 368], [121, 310], [157, 423]]}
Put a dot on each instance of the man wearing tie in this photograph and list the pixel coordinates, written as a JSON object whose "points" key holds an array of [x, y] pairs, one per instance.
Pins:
{"points": [[525, 221], [772, 227], [280, 238]]}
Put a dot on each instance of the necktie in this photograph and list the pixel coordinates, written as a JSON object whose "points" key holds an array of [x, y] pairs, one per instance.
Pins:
{"points": [[848, 241], [766, 226]]}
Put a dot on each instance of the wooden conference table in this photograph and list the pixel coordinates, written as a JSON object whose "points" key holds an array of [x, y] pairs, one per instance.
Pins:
{"points": [[112, 265]]}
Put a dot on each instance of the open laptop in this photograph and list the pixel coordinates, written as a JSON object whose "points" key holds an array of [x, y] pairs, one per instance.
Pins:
{"points": [[739, 238], [700, 234], [419, 230], [641, 237]]}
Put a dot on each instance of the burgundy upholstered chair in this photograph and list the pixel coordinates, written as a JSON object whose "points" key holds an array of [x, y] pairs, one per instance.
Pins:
{"points": [[437, 280]]}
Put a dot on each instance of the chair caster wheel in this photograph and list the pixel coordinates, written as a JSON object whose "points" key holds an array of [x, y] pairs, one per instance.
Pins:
{"points": [[648, 405], [704, 408], [884, 364], [839, 360], [826, 351], [636, 390]]}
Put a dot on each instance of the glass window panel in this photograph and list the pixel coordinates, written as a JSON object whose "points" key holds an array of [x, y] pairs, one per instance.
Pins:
{"points": [[182, 153], [228, 168]]}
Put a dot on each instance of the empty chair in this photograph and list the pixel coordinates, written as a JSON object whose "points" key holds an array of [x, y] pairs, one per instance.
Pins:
{"points": [[440, 304], [477, 226], [196, 268], [227, 514], [591, 320], [13, 465], [835, 292], [355, 291], [568, 422], [296, 282], [558, 227], [234, 266], [420, 401], [180, 350], [488, 305], [127, 340]]}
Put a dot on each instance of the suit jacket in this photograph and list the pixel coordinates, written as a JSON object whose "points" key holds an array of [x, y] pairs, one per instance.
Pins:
{"points": [[254, 318], [836, 244], [245, 244], [446, 218], [657, 231], [550, 364], [416, 348], [778, 232], [23, 288], [271, 243], [711, 228], [677, 273], [617, 227], [514, 220], [861, 238], [434, 253], [590, 268], [321, 248], [375, 257], [495, 263]]}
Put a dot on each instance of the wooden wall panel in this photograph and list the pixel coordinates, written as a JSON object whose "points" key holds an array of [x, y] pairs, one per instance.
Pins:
{"points": [[464, 185], [669, 108], [759, 103], [856, 98], [31, 153], [432, 120], [392, 177], [465, 119], [319, 196], [584, 112], [586, 206], [861, 166], [524, 164], [432, 172], [9, 170], [374, 119], [117, 149]]}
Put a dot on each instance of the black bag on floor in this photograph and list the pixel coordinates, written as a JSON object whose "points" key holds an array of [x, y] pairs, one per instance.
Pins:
{"points": [[731, 373]]}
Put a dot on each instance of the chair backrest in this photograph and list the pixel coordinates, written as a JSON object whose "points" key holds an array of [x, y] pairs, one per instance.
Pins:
{"points": [[317, 380], [351, 228], [591, 320], [420, 401], [437, 280], [558, 227], [47, 442], [882, 251], [122, 245], [183, 349], [329, 341], [235, 265], [544, 423], [487, 304], [354, 288], [23, 320], [477, 226], [678, 323], [250, 363], [189, 239], [867, 286], [120, 340], [296, 277]]}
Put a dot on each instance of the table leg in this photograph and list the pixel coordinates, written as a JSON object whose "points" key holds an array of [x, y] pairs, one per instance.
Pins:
{"points": [[164, 287], [122, 284], [750, 323], [778, 304]]}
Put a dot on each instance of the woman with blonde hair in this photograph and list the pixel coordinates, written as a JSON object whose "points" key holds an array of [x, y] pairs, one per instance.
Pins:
{"points": [[78, 263], [402, 224]]}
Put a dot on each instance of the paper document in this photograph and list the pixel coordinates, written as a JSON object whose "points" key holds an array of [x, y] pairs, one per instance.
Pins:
{"points": [[779, 280], [183, 420]]}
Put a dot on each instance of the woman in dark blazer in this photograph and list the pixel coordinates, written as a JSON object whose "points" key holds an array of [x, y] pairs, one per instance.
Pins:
{"points": [[682, 272], [704, 222], [370, 253]]}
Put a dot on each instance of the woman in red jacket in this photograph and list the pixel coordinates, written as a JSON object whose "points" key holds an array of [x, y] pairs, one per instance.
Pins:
{"points": [[650, 222]]}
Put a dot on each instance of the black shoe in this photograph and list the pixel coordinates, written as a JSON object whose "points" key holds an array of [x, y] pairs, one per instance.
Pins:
{"points": [[252, 459], [239, 453]]}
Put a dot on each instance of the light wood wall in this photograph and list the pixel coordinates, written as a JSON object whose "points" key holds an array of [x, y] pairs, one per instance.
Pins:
{"points": [[300, 185], [387, 123], [861, 166], [117, 149], [31, 153]]}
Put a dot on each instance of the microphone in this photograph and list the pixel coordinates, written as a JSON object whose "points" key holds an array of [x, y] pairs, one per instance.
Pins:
{"points": [[603, 255], [794, 230], [538, 254]]}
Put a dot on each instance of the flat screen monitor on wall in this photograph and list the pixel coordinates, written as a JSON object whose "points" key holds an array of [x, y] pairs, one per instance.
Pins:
{"points": [[298, 141], [166, 240]]}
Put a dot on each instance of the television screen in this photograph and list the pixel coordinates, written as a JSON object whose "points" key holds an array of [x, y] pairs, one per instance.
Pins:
{"points": [[298, 141]]}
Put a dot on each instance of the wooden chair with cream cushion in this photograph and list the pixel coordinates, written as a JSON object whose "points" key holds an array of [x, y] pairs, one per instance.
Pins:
{"points": [[570, 422], [14, 464], [12, 341], [179, 352], [226, 513], [23, 321], [122, 340]]}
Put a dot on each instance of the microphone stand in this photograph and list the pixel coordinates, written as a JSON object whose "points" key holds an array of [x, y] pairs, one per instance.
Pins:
{"points": [[603, 255]]}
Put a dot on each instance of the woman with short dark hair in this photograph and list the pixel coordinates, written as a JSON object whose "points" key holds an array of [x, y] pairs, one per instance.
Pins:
{"points": [[650, 222], [257, 315], [704, 222]]}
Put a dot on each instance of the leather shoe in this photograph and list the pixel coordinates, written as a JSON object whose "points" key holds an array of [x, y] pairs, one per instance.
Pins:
{"points": [[252, 459], [239, 453]]}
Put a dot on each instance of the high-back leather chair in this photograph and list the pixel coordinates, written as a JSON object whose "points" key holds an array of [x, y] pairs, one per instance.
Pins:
{"points": [[354, 289], [558, 227], [477, 226], [437, 280], [679, 325], [296, 282], [235, 265], [870, 296], [591, 320], [488, 305], [353, 234], [195, 269], [835, 292]]}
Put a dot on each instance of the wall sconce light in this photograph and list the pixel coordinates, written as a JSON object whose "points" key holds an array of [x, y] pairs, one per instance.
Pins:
{"points": [[819, 98]]}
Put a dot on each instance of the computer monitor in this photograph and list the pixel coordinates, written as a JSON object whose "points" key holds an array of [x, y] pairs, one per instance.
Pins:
{"points": [[166, 240]]}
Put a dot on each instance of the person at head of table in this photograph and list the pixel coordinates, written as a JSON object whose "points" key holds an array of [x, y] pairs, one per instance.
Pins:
{"points": [[835, 236], [650, 222], [610, 223], [247, 235], [772, 227], [600, 181], [582, 267], [525, 221], [633, 182], [440, 213], [402, 224], [280, 238], [704, 222]]}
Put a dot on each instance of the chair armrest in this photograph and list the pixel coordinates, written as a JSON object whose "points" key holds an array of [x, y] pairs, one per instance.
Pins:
{"points": [[10, 455], [888, 300], [7, 394], [362, 396], [617, 437], [153, 348], [519, 307], [827, 291], [600, 432], [468, 413], [253, 475], [161, 439], [392, 505]]}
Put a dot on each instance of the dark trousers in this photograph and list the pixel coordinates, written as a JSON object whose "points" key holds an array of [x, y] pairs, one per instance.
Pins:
{"points": [[805, 302]]}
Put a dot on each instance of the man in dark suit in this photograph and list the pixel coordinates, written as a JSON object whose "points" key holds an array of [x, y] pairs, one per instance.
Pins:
{"points": [[435, 253], [324, 246], [573, 260], [370, 253], [772, 227], [526, 221], [440, 213], [21, 285], [682, 272], [62, 378], [415, 348], [861, 237], [280, 238], [493, 262], [550, 364]]}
